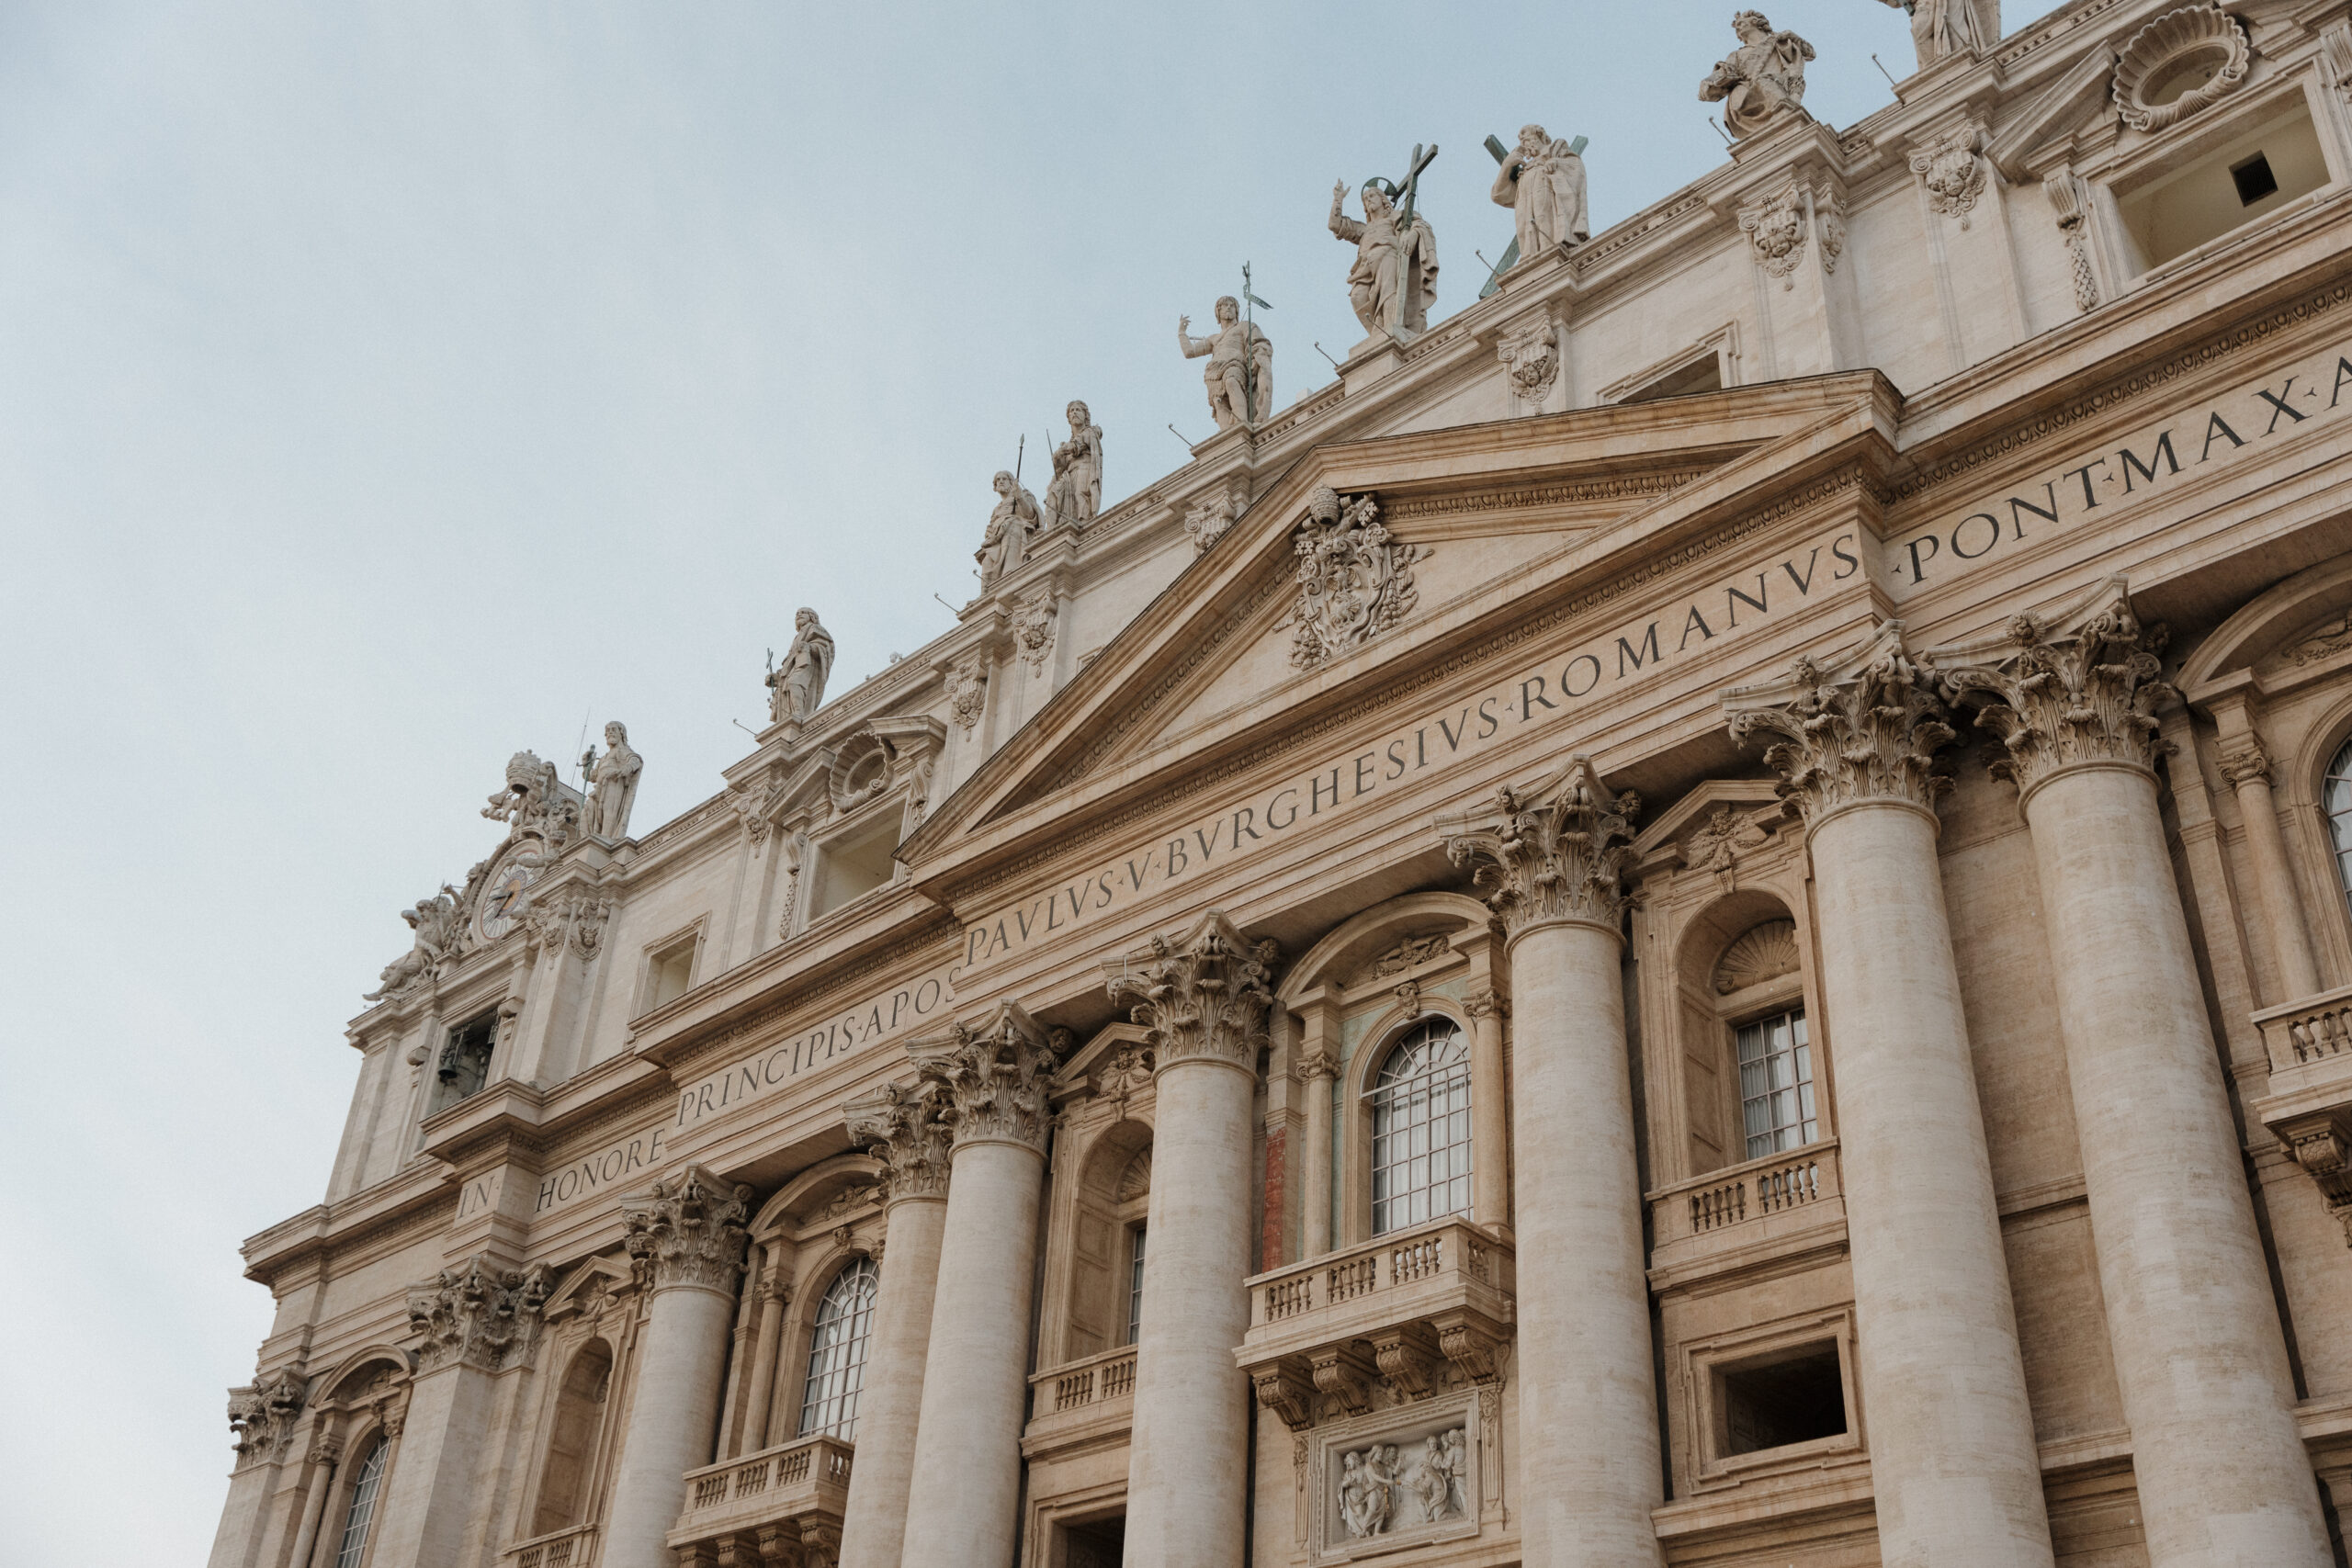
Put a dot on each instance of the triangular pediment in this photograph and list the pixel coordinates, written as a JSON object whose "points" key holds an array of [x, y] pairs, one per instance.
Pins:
{"points": [[1234, 647]]}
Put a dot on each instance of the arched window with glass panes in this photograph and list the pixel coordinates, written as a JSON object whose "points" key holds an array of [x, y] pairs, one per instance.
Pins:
{"points": [[837, 1353], [360, 1513], [2335, 798], [1420, 1128]]}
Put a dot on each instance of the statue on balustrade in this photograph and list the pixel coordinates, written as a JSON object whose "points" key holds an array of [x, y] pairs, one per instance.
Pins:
{"points": [[1941, 27], [1761, 79], [611, 783], [1240, 372], [796, 686], [1011, 526], [1076, 493], [1394, 280], [1541, 181]]}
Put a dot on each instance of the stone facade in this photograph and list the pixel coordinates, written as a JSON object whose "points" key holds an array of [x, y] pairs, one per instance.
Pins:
{"points": [[1693, 918]]}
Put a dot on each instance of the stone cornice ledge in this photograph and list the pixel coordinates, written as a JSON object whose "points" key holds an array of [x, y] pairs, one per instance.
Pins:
{"points": [[308, 1234]]}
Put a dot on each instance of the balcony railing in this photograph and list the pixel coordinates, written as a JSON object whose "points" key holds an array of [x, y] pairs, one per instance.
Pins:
{"points": [[803, 1482], [1098, 1379], [2308, 1106], [571, 1547], [2315, 1031], [1736, 1203]]}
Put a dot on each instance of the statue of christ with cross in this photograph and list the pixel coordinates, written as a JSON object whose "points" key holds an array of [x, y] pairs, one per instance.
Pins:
{"points": [[1395, 276]]}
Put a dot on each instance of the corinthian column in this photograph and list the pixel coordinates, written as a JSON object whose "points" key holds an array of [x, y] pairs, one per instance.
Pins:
{"points": [[2248, 768], [976, 1382], [902, 1127], [1550, 858], [1203, 997], [686, 1232], [2222, 1476], [1952, 1457]]}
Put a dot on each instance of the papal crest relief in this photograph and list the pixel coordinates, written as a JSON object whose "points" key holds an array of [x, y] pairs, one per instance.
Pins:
{"points": [[1354, 581]]}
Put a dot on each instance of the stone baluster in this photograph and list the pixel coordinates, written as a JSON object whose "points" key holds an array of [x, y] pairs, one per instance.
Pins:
{"points": [[1550, 858], [1317, 1070], [473, 1321], [686, 1234], [1203, 997], [975, 1384], [903, 1127], [2248, 766], [1489, 1111], [1957, 1477], [2199, 1357]]}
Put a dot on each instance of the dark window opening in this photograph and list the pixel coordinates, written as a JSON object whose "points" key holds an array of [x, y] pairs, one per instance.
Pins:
{"points": [[1100, 1543], [1699, 376], [1794, 1399], [464, 1066], [2253, 179]]}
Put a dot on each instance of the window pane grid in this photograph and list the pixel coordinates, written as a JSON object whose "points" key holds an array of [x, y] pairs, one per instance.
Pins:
{"points": [[836, 1353], [1420, 1130], [2337, 795], [1134, 1289], [362, 1512], [1776, 1104]]}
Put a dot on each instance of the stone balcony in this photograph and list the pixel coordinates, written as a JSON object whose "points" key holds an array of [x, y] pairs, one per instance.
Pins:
{"points": [[1741, 1214], [1081, 1405], [2309, 1106], [764, 1507], [1399, 1310], [575, 1546]]}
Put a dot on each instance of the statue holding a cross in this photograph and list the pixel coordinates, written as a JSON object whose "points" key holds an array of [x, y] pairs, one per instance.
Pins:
{"points": [[1395, 276]]}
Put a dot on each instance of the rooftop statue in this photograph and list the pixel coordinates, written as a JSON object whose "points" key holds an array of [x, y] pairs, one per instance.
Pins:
{"points": [[1076, 493], [1940, 28], [1541, 181], [1011, 525], [611, 783], [796, 686], [435, 921], [1240, 372], [1394, 280], [1760, 80]]}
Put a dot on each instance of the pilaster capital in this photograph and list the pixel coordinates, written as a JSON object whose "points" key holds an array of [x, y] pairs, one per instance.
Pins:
{"points": [[903, 1126], [1203, 995], [2073, 688], [1314, 1065], [1487, 1004], [2246, 761], [688, 1229], [1551, 851], [993, 1077], [478, 1314], [1864, 725], [263, 1413]]}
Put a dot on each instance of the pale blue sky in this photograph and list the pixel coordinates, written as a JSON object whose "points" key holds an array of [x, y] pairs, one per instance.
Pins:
{"points": [[386, 387]]}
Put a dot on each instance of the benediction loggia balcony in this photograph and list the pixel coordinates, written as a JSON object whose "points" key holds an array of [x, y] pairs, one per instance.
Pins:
{"points": [[766, 1507]]}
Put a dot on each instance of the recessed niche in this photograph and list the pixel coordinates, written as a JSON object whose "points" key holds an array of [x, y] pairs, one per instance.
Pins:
{"points": [[2242, 179]]}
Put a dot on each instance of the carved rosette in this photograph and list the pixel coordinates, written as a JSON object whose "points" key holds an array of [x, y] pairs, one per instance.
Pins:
{"points": [[477, 1315], [688, 1229], [994, 1076], [262, 1414], [899, 1125], [1864, 727], [1202, 996], [1551, 852], [2060, 693]]}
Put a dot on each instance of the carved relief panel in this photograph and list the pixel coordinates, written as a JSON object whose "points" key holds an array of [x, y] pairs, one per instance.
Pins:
{"points": [[1413, 1476]]}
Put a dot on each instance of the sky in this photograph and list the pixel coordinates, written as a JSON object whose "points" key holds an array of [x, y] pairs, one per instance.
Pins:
{"points": [[389, 388]]}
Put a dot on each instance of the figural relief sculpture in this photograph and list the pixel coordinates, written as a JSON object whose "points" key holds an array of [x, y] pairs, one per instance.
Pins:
{"points": [[1354, 581], [1394, 280], [1013, 525], [1380, 1491], [796, 686], [1076, 493], [611, 783], [1541, 181], [1240, 370], [1761, 79]]}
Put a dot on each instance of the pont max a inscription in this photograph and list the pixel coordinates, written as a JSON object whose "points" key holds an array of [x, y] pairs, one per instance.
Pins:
{"points": [[1538, 696]]}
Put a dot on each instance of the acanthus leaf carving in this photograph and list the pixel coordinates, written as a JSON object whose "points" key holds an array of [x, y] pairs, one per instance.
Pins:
{"points": [[967, 691], [1776, 232], [995, 1077], [1718, 845], [1354, 581], [2070, 200], [688, 1229], [1951, 172], [1208, 518], [1033, 630], [262, 1414], [2245, 763], [1864, 725], [478, 1314], [901, 1126], [1555, 850], [1202, 996]]}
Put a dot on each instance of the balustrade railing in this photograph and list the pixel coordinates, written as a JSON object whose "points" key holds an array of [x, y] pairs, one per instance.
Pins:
{"points": [[571, 1547], [1097, 1380], [2312, 1032], [1723, 1200], [1432, 1254], [807, 1475]]}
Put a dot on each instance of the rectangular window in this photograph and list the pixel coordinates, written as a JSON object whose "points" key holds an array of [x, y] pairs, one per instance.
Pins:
{"points": [[670, 973], [1776, 1085], [1135, 1286], [851, 867], [2193, 200], [1797, 1397]]}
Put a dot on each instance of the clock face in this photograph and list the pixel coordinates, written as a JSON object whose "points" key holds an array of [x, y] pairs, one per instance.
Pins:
{"points": [[502, 899]]}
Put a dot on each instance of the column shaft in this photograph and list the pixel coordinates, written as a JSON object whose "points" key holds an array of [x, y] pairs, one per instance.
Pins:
{"points": [[2274, 883], [767, 1345], [976, 1384], [874, 1523], [1317, 1071], [1187, 1481], [1587, 1407], [314, 1504], [1952, 1457], [672, 1417], [1490, 1114], [2224, 1478]]}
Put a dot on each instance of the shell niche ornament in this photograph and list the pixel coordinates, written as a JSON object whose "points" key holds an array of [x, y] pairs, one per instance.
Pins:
{"points": [[2180, 63]]}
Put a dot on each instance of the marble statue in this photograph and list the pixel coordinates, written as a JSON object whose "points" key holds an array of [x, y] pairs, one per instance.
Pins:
{"points": [[1240, 372], [611, 783], [1011, 527], [1760, 80], [796, 686], [1541, 181], [435, 921], [1394, 280], [1076, 493], [1940, 28]]}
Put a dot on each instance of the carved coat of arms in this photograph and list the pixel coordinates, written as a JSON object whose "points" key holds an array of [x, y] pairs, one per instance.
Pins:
{"points": [[1354, 581]]}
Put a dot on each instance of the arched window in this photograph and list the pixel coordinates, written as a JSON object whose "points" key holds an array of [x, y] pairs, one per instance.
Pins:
{"points": [[365, 1482], [1420, 1129], [579, 1414], [836, 1353], [2337, 802]]}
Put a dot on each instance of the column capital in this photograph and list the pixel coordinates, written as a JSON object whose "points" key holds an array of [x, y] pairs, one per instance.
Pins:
{"points": [[478, 1314], [1202, 996], [1551, 851], [262, 1414], [993, 1076], [688, 1229], [1863, 726], [1487, 1003], [2246, 762], [2063, 690], [1315, 1065], [900, 1124]]}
